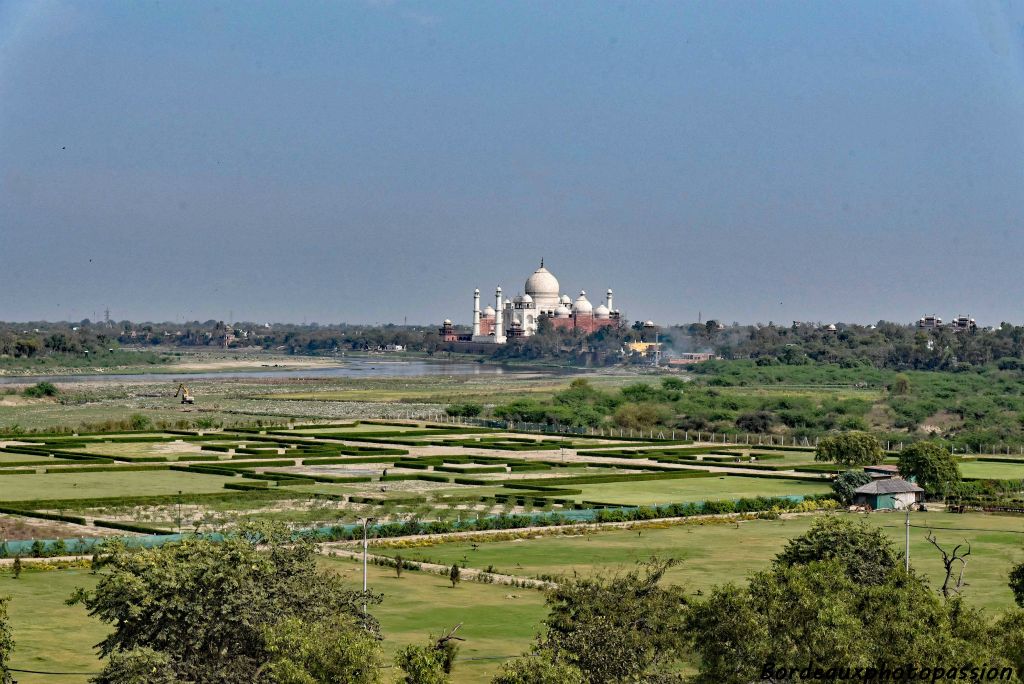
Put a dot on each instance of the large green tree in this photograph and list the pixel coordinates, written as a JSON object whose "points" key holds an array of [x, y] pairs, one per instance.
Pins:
{"points": [[931, 465], [793, 617], [615, 628], [852, 448], [218, 611], [863, 551]]}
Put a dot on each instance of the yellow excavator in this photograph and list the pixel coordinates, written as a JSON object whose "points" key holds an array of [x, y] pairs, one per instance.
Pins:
{"points": [[186, 395]]}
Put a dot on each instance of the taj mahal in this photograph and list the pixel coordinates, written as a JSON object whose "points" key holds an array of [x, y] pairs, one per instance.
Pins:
{"points": [[521, 315]]}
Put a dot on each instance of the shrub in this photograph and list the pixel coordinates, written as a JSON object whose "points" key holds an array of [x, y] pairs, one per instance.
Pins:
{"points": [[41, 389]]}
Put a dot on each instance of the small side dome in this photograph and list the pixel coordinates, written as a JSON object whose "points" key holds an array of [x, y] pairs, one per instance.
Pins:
{"points": [[582, 304], [526, 299], [648, 324], [565, 299], [602, 312], [517, 299], [831, 327], [489, 312], [447, 321], [562, 311]]}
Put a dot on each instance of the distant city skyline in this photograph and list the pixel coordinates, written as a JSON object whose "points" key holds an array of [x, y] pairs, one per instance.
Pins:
{"points": [[372, 161]]}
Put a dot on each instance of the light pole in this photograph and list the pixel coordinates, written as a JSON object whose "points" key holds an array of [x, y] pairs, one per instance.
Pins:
{"points": [[366, 522]]}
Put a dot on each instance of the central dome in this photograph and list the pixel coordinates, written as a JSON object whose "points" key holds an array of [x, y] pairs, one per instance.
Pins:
{"points": [[542, 288], [542, 283]]}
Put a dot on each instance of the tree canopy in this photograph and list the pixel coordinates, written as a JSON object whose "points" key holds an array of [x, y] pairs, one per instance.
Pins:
{"points": [[852, 448], [230, 612], [863, 551], [931, 465]]}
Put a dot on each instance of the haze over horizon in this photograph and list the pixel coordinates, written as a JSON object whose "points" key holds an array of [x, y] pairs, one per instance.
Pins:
{"points": [[372, 161]]}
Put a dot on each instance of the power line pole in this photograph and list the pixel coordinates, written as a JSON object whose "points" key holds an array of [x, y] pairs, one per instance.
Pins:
{"points": [[906, 553]]}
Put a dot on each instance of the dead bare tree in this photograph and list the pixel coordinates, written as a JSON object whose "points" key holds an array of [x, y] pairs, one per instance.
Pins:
{"points": [[949, 561]]}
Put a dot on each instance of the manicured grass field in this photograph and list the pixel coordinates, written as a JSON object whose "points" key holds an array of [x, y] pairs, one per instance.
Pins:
{"points": [[54, 637], [995, 471], [419, 604], [714, 553], [696, 489], [72, 485], [49, 635]]}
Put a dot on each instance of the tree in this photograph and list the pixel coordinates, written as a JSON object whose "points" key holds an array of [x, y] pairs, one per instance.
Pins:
{"points": [[931, 465], [429, 664], [755, 421], [616, 628], [336, 649], [207, 606], [6, 643], [137, 666], [16, 567], [454, 575], [852, 448], [846, 482], [791, 617], [538, 670], [1017, 583], [900, 385], [399, 566], [950, 559], [865, 552]]}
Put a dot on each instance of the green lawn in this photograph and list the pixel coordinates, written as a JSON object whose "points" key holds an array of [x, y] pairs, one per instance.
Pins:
{"points": [[49, 635], [420, 604], [87, 485], [714, 553], [995, 471], [696, 489]]}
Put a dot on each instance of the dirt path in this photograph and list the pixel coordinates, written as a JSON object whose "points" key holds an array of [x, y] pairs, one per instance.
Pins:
{"points": [[468, 574]]}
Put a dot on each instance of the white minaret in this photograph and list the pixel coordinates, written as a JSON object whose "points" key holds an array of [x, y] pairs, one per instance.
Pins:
{"points": [[497, 313], [609, 304], [476, 312]]}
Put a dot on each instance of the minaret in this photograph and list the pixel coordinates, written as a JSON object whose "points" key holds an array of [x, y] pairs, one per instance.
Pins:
{"points": [[609, 304], [476, 312], [498, 304]]}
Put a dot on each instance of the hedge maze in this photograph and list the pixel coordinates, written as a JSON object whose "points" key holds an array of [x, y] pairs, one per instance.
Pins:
{"points": [[328, 477]]}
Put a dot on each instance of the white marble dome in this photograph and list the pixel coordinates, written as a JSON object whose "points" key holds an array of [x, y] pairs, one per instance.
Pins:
{"points": [[526, 299], [582, 305], [562, 311], [602, 312], [489, 311], [542, 282], [565, 299]]}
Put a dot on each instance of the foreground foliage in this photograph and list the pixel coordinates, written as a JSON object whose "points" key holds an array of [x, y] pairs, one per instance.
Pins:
{"points": [[251, 608]]}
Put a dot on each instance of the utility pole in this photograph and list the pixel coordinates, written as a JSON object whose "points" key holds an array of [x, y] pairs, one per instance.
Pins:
{"points": [[366, 522], [906, 553]]}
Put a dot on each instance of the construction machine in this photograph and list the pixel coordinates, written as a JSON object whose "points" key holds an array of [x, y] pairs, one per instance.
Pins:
{"points": [[186, 395]]}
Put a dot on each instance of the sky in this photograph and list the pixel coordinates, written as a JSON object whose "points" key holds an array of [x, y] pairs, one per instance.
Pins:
{"points": [[375, 161]]}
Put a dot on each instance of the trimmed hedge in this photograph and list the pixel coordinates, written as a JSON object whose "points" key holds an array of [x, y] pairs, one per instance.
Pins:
{"points": [[106, 468], [129, 527], [78, 520]]}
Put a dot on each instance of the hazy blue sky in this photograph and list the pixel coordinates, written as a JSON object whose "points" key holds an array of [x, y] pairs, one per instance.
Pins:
{"points": [[368, 161]]}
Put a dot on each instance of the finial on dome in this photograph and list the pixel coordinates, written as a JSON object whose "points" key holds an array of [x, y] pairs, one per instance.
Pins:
{"points": [[542, 262]]}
